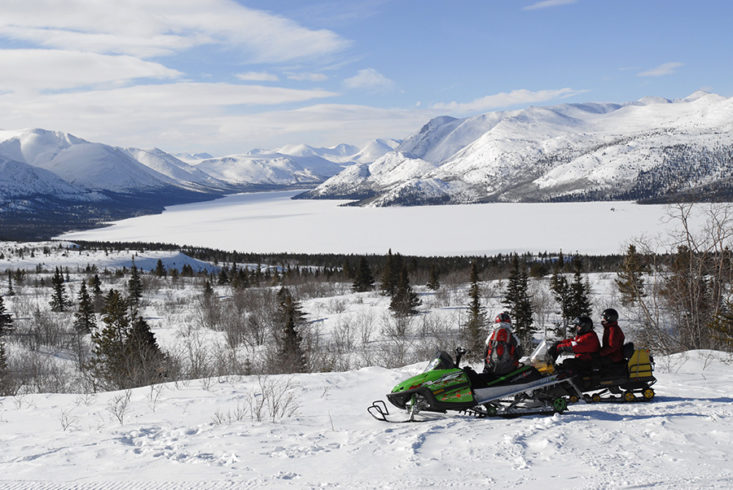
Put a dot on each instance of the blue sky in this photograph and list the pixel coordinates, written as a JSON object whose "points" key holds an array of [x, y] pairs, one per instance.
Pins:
{"points": [[228, 76]]}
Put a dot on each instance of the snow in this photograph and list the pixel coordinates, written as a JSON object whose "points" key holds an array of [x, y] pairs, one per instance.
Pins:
{"points": [[272, 222], [202, 434]]}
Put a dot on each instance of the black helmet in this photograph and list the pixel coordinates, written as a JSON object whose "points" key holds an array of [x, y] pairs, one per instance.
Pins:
{"points": [[503, 317], [609, 315], [583, 324]]}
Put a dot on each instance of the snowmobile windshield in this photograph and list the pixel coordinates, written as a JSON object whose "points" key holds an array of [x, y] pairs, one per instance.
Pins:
{"points": [[539, 355], [440, 361]]}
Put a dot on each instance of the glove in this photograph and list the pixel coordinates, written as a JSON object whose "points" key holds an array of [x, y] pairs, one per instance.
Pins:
{"points": [[564, 348]]}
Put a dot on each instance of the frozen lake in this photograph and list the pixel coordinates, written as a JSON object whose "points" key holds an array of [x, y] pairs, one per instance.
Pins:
{"points": [[272, 222]]}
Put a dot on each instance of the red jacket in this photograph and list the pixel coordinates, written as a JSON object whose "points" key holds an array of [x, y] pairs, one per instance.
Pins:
{"points": [[583, 345], [613, 342]]}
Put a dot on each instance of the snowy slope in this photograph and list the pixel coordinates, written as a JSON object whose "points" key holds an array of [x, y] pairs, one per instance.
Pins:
{"points": [[22, 180], [643, 149], [270, 168], [183, 173], [89, 165], [201, 434]]}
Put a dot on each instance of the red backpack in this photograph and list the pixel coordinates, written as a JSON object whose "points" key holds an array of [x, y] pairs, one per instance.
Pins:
{"points": [[501, 351]]}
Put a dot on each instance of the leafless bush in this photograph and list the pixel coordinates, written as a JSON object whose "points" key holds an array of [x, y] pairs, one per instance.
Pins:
{"points": [[273, 398], [119, 405], [230, 416]]}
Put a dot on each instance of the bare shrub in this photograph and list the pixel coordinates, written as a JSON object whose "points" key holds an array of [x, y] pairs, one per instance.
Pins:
{"points": [[274, 398], [119, 405]]}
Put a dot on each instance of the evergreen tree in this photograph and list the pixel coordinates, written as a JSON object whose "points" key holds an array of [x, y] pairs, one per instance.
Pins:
{"points": [[579, 292], [223, 276], [11, 292], [433, 281], [391, 273], [134, 287], [561, 292], [629, 280], [517, 301], [722, 327], [59, 301], [363, 279], [84, 320], [160, 269], [476, 324], [291, 356], [98, 296], [108, 344], [404, 300], [6, 320], [145, 363]]}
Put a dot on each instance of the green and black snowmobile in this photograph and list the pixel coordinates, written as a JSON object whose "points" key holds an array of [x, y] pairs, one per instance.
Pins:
{"points": [[445, 386]]}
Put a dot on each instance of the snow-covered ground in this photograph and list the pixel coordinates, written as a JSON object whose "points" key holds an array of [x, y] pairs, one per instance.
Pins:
{"points": [[272, 222], [203, 434]]}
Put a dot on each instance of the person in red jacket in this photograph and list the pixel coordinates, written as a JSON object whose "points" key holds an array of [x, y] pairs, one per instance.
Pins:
{"points": [[503, 349], [584, 345], [613, 338]]}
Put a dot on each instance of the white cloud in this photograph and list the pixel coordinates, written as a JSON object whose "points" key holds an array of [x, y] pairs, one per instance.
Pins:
{"points": [[174, 115], [661, 70], [257, 76], [548, 3], [506, 99], [369, 79], [163, 27], [307, 77], [43, 69]]}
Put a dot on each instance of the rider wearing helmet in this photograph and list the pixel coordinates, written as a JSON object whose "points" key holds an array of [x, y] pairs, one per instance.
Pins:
{"points": [[613, 337], [503, 349], [584, 345]]}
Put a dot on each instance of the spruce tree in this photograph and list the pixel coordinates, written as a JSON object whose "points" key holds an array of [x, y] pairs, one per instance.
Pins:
{"points": [[517, 301], [291, 356], [108, 344], [561, 292], [145, 363], [388, 275], [11, 292], [6, 320], [580, 292], [84, 320], [404, 300], [629, 280], [363, 279], [722, 328], [98, 296], [134, 287], [59, 300], [160, 269], [433, 281], [476, 324]]}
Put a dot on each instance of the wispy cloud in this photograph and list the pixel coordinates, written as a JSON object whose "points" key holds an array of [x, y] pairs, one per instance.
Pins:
{"points": [[257, 76], [369, 79], [163, 27], [307, 77], [506, 99], [661, 70], [548, 3], [71, 69]]}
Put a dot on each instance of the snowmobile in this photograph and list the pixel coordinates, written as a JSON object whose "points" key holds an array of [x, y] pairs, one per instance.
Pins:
{"points": [[445, 386], [627, 381]]}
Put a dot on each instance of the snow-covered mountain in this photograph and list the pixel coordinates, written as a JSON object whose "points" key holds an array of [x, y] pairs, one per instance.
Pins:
{"points": [[652, 148], [270, 169]]}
